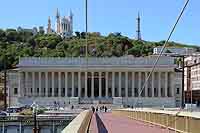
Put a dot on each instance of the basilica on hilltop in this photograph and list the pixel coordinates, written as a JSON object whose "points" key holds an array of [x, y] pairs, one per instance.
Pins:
{"points": [[63, 26]]}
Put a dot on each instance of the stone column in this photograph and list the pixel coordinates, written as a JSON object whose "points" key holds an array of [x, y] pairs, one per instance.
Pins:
{"points": [[126, 84], [40, 85], [133, 84], [159, 84], [166, 83], [79, 84], [86, 90], [72, 84], [100, 87], [46, 84], [19, 84], [92, 85], [27, 92], [106, 84], [146, 86], [33, 84], [152, 84], [172, 84], [59, 84], [139, 88], [113, 84], [66, 84], [120, 84], [53, 86]]}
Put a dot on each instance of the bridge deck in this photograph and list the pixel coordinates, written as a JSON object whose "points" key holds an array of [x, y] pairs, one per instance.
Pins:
{"points": [[109, 123]]}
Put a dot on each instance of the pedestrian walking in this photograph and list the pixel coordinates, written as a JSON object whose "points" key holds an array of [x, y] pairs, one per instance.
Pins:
{"points": [[93, 109], [105, 109]]}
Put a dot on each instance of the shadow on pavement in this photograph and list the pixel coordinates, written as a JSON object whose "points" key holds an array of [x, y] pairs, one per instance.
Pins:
{"points": [[100, 125]]}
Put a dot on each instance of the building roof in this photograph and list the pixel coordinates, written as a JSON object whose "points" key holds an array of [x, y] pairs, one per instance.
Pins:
{"points": [[94, 61]]}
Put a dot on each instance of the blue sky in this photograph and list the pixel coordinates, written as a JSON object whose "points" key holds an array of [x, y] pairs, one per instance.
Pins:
{"points": [[107, 16]]}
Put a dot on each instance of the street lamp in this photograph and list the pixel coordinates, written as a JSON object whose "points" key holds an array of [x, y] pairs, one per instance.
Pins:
{"points": [[180, 69], [35, 106], [5, 83]]}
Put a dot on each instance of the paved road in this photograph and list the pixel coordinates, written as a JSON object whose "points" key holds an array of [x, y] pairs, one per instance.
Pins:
{"points": [[108, 123]]}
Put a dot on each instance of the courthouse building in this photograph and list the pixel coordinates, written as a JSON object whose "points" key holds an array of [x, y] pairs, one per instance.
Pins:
{"points": [[91, 80]]}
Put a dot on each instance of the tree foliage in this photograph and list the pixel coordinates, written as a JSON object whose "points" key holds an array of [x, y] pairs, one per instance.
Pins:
{"points": [[15, 44]]}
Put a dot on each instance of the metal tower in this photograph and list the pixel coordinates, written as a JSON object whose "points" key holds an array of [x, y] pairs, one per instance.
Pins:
{"points": [[138, 32]]}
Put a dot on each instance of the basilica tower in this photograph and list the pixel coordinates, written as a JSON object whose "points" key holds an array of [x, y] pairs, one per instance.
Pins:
{"points": [[63, 26], [71, 21], [58, 22], [49, 30]]}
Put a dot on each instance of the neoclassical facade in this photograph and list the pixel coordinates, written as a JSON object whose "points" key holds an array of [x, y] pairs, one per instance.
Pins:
{"points": [[91, 80]]}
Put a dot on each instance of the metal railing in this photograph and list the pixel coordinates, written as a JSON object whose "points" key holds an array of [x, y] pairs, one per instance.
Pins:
{"points": [[181, 122]]}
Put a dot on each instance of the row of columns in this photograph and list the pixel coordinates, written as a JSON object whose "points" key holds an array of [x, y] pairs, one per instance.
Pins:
{"points": [[100, 84]]}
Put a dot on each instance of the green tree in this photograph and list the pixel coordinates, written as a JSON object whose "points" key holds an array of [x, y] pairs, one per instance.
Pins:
{"points": [[78, 35]]}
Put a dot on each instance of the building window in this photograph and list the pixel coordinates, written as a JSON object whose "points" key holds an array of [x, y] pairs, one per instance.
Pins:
{"points": [[143, 92], [38, 91], [56, 92], [50, 92], [116, 93], [177, 91], [155, 92], [129, 92], [69, 92], [15, 91], [169, 92], [63, 92], [123, 92], [136, 92], [162, 92], [149, 92]]}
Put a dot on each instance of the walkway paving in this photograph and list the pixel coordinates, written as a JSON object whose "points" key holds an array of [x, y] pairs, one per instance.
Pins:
{"points": [[93, 125], [108, 123]]}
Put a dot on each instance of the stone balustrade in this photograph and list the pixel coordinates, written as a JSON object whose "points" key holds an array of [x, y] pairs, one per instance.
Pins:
{"points": [[94, 61], [80, 123]]}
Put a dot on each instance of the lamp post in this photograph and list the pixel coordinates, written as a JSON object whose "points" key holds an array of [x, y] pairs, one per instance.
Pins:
{"points": [[180, 69], [34, 106], [183, 70], [5, 82], [5, 86]]}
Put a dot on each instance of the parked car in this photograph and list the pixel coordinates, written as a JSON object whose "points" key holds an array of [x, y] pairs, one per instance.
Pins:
{"points": [[14, 109], [2, 113]]}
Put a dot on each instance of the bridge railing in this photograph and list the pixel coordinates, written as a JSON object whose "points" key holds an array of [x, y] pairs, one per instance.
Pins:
{"points": [[80, 124], [181, 122]]}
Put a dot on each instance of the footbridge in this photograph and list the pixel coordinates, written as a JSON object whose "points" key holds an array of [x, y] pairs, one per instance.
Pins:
{"points": [[142, 120]]}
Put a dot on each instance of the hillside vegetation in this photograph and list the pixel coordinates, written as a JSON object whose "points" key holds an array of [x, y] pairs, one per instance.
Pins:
{"points": [[15, 44]]}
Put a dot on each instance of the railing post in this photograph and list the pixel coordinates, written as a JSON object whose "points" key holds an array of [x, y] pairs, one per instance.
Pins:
{"points": [[20, 127], [3, 127], [186, 124], [136, 115], [167, 124], [53, 127], [175, 123]]}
